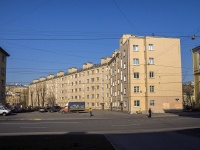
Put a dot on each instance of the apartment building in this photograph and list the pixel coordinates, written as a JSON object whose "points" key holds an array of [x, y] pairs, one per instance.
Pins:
{"points": [[16, 95], [3, 56], [89, 84], [144, 73], [196, 72]]}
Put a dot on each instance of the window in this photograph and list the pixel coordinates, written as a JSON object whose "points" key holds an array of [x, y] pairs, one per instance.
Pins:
{"points": [[3, 59], [136, 103], [151, 74], [124, 91], [97, 71], [2, 82], [124, 78], [152, 103], [136, 75], [97, 87], [97, 96], [124, 53], [151, 47], [135, 61], [87, 96], [92, 79], [151, 61], [97, 78], [3, 71], [135, 48], [92, 71], [92, 87], [151, 88], [124, 65], [92, 96], [136, 89]]}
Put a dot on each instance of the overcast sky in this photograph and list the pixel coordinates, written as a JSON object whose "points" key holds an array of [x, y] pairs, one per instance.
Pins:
{"points": [[48, 36]]}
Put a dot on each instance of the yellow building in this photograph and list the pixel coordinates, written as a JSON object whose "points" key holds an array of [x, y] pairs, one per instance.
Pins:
{"points": [[90, 84], [144, 73], [196, 72], [16, 95], [3, 56]]}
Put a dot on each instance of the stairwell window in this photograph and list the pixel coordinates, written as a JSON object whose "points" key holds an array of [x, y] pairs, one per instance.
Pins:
{"points": [[135, 61], [151, 47]]}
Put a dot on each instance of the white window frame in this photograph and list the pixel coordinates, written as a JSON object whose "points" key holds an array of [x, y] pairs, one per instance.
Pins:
{"points": [[136, 75], [151, 61], [135, 61], [135, 48], [151, 74], [136, 103], [151, 47], [152, 88], [136, 89], [152, 102]]}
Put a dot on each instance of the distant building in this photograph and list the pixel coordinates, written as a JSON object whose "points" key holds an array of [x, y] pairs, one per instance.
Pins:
{"points": [[3, 61], [144, 73], [196, 72], [16, 95]]}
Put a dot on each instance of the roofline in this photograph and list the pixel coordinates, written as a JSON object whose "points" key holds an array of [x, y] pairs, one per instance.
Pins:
{"points": [[196, 49], [3, 51]]}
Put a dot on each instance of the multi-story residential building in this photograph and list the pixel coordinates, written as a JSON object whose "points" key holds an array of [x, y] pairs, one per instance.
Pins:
{"points": [[3, 56], [144, 73], [16, 95], [196, 72], [89, 84]]}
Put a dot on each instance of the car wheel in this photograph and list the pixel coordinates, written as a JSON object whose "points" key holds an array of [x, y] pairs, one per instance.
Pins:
{"points": [[4, 114]]}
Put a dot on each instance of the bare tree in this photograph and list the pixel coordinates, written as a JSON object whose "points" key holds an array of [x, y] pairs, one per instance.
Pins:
{"points": [[51, 99], [188, 90], [43, 92]]}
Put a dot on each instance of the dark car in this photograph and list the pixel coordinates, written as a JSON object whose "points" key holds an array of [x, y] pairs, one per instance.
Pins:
{"points": [[54, 109]]}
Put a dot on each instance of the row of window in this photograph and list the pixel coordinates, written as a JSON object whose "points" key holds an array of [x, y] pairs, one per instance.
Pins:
{"points": [[136, 61], [137, 103], [136, 75], [137, 89], [136, 47]]}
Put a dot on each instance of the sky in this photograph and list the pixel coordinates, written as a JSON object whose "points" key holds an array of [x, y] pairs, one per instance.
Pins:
{"points": [[47, 36]]}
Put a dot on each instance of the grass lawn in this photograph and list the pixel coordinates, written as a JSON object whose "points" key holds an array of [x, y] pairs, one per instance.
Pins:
{"points": [[56, 142]]}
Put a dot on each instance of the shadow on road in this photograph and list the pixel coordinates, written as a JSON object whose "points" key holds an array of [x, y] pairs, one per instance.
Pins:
{"points": [[182, 139]]}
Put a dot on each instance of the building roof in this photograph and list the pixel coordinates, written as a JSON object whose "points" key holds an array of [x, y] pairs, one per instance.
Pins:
{"points": [[3, 51], [196, 49]]}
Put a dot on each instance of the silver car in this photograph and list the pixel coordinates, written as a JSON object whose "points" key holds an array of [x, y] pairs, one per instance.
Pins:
{"points": [[4, 110]]}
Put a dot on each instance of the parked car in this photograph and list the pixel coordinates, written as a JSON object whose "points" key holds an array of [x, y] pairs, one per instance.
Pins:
{"points": [[54, 109], [64, 109], [4, 110], [43, 109]]}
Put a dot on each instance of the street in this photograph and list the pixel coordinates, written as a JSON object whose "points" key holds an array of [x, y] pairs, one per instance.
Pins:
{"points": [[124, 131]]}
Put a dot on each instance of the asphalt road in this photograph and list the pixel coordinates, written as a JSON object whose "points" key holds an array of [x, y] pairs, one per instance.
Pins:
{"points": [[124, 131]]}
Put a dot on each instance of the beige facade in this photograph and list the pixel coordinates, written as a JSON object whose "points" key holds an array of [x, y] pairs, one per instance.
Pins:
{"points": [[144, 73], [89, 84], [196, 72], [3, 61], [16, 95]]}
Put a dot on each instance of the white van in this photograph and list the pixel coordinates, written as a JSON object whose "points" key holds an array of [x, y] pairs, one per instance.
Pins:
{"points": [[4, 110]]}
